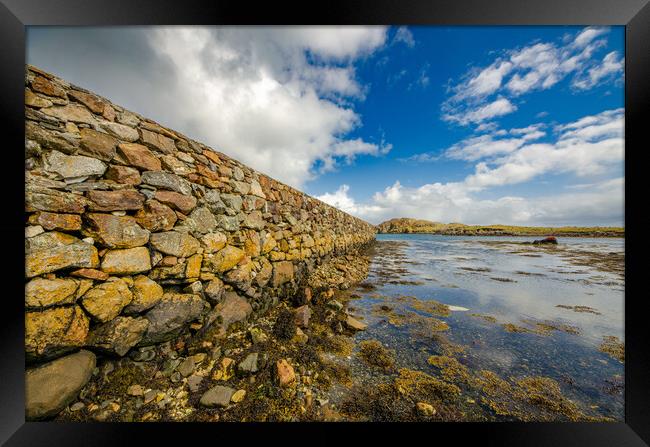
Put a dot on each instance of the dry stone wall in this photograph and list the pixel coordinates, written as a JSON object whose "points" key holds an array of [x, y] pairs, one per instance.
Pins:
{"points": [[135, 232]]}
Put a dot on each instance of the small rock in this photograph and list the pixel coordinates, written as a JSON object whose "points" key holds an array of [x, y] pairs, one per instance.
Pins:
{"points": [[286, 375], [150, 396], [238, 396], [186, 368], [354, 324], [257, 335], [143, 354], [300, 337], [249, 364], [303, 314], [77, 406], [217, 396], [135, 390], [335, 305], [425, 409], [194, 382]]}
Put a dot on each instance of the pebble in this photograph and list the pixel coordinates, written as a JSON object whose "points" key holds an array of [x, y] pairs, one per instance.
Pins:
{"points": [[249, 364], [150, 395], [425, 409], [135, 390], [217, 396], [194, 382], [186, 367], [238, 396], [77, 406]]}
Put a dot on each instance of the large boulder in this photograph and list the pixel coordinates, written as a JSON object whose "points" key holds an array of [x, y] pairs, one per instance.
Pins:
{"points": [[54, 331], [120, 131], [173, 312], [106, 300], [127, 261], [551, 240], [115, 231], [226, 258], [231, 309], [51, 387], [118, 335], [53, 221], [175, 243], [282, 273], [180, 202], [73, 166], [139, 156], [156, 216], [121, 200], [71, 112], [42, 292], [48, 252], [157, 141], [146, 294], [97, 144], [166, 180], [201, 220], [38, 198]]}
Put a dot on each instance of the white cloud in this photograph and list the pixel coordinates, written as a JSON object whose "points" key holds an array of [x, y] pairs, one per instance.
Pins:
{"points": [[588, 34], [538, 66], [500, 106], [404, 35], [254, 94], [489, 145], [600, 204], [343, 201], [489, 80], [592, 145], [611, 65]]}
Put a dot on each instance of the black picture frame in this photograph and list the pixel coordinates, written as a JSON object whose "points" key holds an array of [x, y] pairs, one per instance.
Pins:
{"points": [[15, 15]]}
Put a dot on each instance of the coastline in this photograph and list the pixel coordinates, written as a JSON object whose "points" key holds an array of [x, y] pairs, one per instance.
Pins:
{"points": [[572, 235]]}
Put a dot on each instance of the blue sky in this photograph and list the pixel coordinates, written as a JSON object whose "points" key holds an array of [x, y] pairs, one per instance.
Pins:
{"points": [[513, 125]]}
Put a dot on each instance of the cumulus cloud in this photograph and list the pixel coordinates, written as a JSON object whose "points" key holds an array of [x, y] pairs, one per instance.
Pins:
{"points": [[279, 99], [516, 72], [590, 146]]}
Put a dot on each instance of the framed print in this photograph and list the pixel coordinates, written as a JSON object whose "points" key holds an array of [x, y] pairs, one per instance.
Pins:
{"points": [[422, 215]]}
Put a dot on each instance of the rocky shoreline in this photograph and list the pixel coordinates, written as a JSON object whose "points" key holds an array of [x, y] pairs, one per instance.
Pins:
{"points": [[278, 367], [419, 226]]}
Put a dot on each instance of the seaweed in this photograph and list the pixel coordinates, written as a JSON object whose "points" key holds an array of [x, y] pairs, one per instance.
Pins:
{"points": [[375, 354], [613, 347]]}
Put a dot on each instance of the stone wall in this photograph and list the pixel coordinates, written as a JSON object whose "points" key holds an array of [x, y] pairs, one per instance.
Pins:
{"points": [[135, 232]]}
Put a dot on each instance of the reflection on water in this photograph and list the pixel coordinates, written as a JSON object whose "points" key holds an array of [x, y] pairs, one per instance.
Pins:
{"points": [[517, 310]]}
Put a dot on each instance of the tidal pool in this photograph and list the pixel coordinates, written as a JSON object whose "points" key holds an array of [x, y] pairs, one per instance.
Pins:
{"points": [[525, 313]]}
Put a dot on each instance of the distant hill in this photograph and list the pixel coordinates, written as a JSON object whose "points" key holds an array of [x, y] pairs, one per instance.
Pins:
{"points": [[408, 225]]}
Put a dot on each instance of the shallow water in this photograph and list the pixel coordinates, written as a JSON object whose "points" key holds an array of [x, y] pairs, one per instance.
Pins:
{"points": [[513, 283]]}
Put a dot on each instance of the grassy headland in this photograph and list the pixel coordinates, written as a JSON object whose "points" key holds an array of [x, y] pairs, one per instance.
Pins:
{"points": [[409, 225]]}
